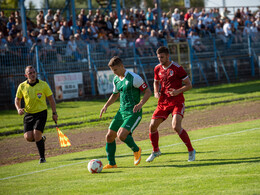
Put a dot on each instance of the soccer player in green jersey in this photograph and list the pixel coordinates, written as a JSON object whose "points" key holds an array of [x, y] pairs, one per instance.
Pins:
{"points": [[128, 86]]}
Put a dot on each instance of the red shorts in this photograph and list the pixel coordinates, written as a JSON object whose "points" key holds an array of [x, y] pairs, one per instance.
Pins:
{"points": [[164, 111]]}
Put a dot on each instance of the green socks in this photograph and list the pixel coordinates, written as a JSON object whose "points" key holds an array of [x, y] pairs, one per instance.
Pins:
{"points": [[131, 143], [111, 150]]}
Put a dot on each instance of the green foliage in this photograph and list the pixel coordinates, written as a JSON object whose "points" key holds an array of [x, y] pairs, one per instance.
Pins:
{"points": [[227, 162], [9, 4]]}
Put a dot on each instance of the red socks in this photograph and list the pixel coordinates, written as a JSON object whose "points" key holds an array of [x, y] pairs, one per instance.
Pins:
{"points": [[185, 138], [154, 137]]}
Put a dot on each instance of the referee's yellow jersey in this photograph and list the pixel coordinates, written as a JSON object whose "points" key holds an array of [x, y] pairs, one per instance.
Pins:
{"points": [[34, 96]]}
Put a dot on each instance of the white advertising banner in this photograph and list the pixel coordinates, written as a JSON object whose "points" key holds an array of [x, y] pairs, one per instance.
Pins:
{"points": [[105, 81], [187, 3], [69, 85]]}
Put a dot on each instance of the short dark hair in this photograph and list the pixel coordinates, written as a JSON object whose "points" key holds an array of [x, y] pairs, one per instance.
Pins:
{"points": [[115, 61], [162, 49], [28, 67]]}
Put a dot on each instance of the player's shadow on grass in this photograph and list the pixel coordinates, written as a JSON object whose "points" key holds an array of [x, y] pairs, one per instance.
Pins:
{"points": [[89, 157], [210, 162], [100, 157]]}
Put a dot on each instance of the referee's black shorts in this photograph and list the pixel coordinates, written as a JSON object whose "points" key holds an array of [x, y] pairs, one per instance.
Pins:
{"points": [[35, 121]]}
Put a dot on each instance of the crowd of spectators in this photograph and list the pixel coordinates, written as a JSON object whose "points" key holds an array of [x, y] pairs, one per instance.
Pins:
{"points": [[139, 27]]}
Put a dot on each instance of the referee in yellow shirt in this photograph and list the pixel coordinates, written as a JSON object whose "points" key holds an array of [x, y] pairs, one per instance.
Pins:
{"points": [[34, 93]]}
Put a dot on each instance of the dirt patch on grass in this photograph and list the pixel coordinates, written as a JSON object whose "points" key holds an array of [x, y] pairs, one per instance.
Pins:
{"points": [[16, 150]]}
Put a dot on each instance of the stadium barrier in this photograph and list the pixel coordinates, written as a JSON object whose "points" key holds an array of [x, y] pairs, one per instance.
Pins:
{"points": [[218, 64]]}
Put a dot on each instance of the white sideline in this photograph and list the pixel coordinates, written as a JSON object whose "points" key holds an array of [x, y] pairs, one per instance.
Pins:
{"points": [[61, 166]]}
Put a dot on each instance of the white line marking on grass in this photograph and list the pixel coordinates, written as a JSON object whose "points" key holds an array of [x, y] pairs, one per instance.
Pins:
{"points": [[61, 166]]}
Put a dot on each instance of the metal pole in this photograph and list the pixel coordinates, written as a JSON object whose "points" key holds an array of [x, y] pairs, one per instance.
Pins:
{"points": [[191, 62], [159, 14], [123, 3], [73, 11], [37, 61], [89, 4], [120, 24], [92, 80], [23, 16], [251, 56], [215, 59]]}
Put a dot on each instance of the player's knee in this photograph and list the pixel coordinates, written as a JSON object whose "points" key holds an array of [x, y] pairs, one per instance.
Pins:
{"points": [[29, 138], [152, 128], [176, 128], [121, 137], [109, 138]]}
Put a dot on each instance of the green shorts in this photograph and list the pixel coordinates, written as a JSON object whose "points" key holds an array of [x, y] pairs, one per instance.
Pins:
{"points": [[129, 122]]}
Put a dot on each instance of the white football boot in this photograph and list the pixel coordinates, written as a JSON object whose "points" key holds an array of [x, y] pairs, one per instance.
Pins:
{"points": [[153, 156], [192, 155]]}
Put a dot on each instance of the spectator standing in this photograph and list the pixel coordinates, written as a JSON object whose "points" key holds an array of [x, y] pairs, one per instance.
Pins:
{"points": [[149, 15], [50, 36], [65, 32], [227, 28], [10, 24], [57, 15], [40, 19], [175, 18], [3, 18], [42, 35], [55, 25], [72, 49], [48, 19], [181, 34], [224, 14]]}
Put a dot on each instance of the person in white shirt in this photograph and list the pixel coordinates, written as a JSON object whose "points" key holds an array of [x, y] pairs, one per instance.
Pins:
{"points": [[246, 30], [220, 33], [196, 42], [72, 48], [253, 32], [227, 28], [176, 21], [49, 17]]}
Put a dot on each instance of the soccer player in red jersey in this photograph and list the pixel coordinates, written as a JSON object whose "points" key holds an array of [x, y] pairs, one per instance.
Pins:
{"points": [[173, 80]]}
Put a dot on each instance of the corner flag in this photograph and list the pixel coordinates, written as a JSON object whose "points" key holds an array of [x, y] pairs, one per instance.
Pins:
{"points": [[63, 139]]}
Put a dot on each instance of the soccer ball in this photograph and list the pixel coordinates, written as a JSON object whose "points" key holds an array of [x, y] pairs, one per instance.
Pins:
{"points": [[95, 166]]}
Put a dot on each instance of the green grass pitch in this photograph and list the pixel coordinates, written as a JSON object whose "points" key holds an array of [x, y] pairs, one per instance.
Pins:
{"points": [[227, 162]]}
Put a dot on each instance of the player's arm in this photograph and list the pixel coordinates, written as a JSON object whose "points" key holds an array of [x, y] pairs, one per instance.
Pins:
{"points": [[17, 103], [156, 87], [187, 86], [147, 94], [53, 107], [110, 101]]}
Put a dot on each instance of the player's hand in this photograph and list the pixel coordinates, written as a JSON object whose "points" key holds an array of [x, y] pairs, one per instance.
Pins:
{"points": [[103, 110], [173, 92], [20, 111], [137, 108], [157, 95]]}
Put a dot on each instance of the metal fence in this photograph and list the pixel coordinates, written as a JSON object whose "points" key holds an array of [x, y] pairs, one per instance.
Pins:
{"points": [[218, 64]]}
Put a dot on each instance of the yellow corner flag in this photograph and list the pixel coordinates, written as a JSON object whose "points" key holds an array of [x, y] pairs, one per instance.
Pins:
{"points": [[63, 139]]}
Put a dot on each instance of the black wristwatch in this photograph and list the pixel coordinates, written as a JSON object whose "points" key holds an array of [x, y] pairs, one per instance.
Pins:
{"points": [[54, 113]]}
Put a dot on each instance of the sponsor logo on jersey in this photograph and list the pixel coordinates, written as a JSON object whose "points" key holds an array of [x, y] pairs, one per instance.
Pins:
{"points": [[171, 72], [126, 82], [39, 95]]}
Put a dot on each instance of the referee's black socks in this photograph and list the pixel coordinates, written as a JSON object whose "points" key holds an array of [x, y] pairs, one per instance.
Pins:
{"points": [[41, 148]]}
